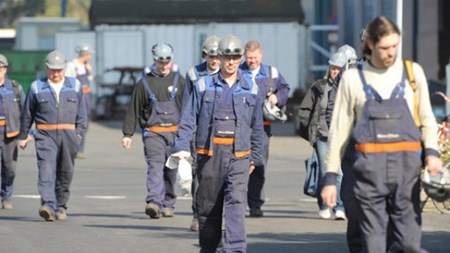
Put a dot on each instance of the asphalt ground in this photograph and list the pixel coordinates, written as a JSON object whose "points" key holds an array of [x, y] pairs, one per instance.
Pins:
{"points": [[106, 208]]}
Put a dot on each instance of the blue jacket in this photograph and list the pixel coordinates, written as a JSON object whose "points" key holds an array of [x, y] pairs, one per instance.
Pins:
{"points": [[192, 76], [197, 117], [13, 99], [279, 86], [42, 108]]}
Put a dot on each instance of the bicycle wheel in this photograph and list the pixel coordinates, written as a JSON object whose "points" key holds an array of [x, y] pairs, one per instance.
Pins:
{"points": [[443, 207]]}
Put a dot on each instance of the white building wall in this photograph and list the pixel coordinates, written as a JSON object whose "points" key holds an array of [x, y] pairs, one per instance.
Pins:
{"points": [[284, 45]]}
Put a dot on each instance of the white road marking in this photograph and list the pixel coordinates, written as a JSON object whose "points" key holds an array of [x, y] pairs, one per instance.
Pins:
{"points": [[27, 196], [104, 197]]}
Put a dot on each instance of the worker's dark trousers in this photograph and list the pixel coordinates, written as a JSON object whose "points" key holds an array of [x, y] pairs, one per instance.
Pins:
{"points": [[354, 237], [222, 181], [256, 181], [87, 101], [8, 156], [55, 150], [160, 179], [386, 190]]}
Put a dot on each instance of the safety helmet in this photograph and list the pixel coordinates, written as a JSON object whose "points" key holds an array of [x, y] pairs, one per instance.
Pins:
{"points": [[437, 187], [162, 52], [211, 45], [230, 45], [272, 112], [338, 59], [348, 51], [84, 48], [3, 61]]}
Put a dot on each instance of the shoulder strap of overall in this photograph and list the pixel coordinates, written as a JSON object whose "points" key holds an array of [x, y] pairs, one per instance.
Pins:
{"points": [[151, 95], [370, 92], [270, 79], [173, 93], [413, 84]]}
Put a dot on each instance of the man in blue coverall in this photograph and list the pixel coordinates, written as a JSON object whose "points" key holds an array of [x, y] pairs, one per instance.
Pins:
{"points": [[11, 103], [55, 104], [225, 112], [274, 88], [210, 66]]}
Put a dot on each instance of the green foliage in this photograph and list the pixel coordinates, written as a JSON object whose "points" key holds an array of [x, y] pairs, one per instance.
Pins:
{"points": [[445, 151], [11, 10]]}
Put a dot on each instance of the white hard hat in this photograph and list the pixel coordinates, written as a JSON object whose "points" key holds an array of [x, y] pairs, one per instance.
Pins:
{"points": [[162, 52], [55, 60], [348, 51], [437, 187], [272, 112], [231, 45], [211, 45], [338, 59], [84, 48]]}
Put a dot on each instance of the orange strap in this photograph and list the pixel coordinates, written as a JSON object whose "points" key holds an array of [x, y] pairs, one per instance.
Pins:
{"points": [[202, 151], [240, 154], [55, 126], [388, 147], [223, 140], [267, 123], [2, 122], [163, 129], [12, 134], [86, 89]]}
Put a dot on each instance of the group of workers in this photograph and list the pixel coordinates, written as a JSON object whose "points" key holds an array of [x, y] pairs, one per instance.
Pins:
{"points": [[213, 117], [371, 148]]}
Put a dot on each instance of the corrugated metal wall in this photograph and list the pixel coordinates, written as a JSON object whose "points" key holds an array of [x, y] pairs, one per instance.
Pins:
{"points": [[284, 45]]}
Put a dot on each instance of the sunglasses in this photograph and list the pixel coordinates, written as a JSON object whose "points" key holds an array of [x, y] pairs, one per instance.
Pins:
{"points": [[161, 58], [212, 52], [229, 51]]}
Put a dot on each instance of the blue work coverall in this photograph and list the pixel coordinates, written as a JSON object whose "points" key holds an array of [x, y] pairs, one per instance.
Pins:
{"points": [[59, 127], [192, 76], [229, 129], [268, 79], [11, 104]]}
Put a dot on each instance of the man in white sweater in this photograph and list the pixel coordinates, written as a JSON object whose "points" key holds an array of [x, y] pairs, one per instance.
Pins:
{"points": [[375, 107]]}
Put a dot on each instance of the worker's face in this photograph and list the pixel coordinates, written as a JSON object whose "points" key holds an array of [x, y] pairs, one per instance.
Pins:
{"points": [[3, 71], [384, 52], [212, 62], [163, 67], [55, 75], [253, 58], [230, 63], [334, 71], [85, 58]]}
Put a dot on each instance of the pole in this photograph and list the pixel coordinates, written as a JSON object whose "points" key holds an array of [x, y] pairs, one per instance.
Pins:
{"points": [[400, 25], [63, 8]]}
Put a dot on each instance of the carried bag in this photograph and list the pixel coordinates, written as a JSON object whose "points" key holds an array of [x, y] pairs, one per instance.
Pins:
{"points": [[312, 175]]}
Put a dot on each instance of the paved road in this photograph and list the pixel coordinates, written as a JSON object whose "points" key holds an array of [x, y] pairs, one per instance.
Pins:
{"points": [[106, 209]]}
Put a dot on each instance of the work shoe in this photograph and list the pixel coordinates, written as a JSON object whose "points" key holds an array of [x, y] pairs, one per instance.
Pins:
{"points": [[46, 213], [256, 212], [325, 214], [61, 214], [7, 205], [152, 210], [340, 215], [167, 212], [194, 224]]}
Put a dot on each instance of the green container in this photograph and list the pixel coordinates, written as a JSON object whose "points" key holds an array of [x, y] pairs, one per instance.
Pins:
{"points": [[25, 66]]}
